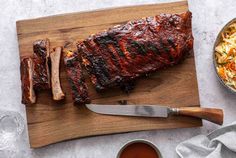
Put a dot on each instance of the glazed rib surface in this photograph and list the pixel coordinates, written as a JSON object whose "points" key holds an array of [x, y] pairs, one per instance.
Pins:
{"points": [[76, 79], [26, 69], [125, 52], [41, 73]]}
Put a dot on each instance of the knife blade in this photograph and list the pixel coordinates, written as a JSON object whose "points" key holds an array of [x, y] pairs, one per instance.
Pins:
{"points": [[210, 114], [130, 110]]}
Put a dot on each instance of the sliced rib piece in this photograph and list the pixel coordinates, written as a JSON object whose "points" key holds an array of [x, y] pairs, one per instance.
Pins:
{"points": [[26, 68], [55, 78], [75, 77], [125, 52], [41, 74]]}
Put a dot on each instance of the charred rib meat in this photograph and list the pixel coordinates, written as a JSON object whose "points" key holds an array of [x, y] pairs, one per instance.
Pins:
{"points": [[125, 52], [75, 77], [41, 74], [26, 68]]}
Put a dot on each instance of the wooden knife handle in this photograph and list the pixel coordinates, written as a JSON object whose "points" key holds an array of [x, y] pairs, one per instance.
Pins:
{"points": [[210, 114]]}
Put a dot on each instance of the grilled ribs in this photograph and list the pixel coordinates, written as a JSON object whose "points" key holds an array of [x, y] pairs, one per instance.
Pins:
{"points": [[55, 56], [125, 52], [26, 68], [41, 74], [75, 76]]}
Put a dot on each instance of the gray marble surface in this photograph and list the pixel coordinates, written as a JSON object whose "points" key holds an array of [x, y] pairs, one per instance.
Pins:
{"points": [[209, 16]]}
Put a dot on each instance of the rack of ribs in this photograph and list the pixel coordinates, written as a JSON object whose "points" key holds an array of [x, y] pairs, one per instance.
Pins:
{"points": [[41, 73], [75, 76], [125, 52]]}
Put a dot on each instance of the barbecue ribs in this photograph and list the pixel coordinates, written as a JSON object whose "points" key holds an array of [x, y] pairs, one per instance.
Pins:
{"points": [[41, 73], [55, 57], [125, 52], [26, 68], [75, 76]]}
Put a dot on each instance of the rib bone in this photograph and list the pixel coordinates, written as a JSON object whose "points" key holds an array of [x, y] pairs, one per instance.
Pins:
{"points": [[55, 80]]}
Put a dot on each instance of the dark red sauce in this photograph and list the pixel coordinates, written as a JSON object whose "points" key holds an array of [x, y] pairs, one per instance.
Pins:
{"points": [[139, 150]]}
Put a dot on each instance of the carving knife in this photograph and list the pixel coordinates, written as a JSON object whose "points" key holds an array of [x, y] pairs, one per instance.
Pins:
{"points": [[210, 114]]}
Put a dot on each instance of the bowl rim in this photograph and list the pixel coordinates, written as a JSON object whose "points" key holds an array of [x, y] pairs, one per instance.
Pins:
{"points": [[139, 141], [217, 41]]}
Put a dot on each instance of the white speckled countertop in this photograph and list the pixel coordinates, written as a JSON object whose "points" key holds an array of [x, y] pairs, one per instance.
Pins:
{"points": [[209, 16]]}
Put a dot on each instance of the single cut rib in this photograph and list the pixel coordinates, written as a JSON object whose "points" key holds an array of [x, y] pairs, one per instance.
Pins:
{"points": [[26, 68], [75, 77], [41, 74], [55, 76], [125, 52]]}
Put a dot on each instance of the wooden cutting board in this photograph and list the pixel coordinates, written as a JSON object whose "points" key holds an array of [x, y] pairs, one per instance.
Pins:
{"points": [[50, 122]]}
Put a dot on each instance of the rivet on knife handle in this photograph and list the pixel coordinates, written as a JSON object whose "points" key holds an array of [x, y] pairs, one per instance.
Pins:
{"points": [[210, 114]]}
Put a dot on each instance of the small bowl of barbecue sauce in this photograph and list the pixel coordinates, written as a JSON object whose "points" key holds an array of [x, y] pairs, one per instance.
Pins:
{"points": [[139, 148]]}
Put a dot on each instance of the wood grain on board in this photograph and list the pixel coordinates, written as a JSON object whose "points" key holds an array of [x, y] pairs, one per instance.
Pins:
{"points": [[50, 122]]}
